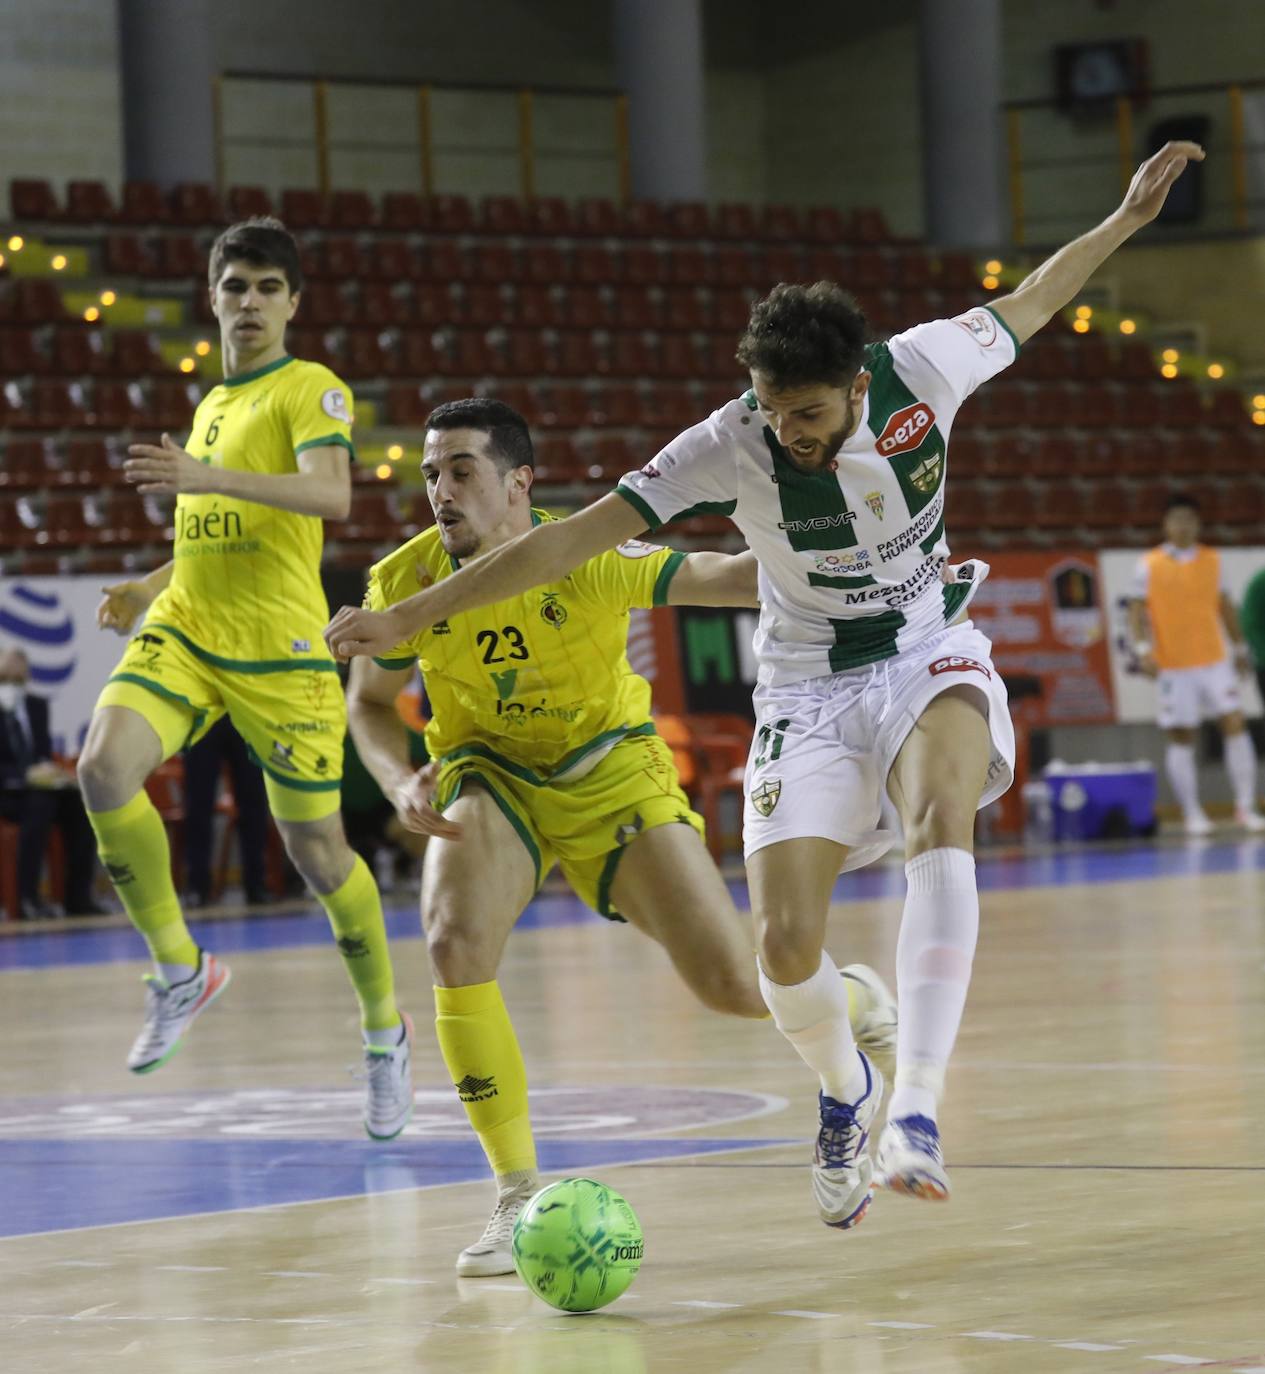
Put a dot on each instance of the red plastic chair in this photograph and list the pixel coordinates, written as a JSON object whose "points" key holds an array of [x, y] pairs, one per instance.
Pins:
{"points": [[88, 202], [32, 199], [143, 203]]}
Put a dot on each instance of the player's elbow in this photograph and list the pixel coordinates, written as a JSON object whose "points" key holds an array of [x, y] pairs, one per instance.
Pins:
{"points": [[337, 503]]}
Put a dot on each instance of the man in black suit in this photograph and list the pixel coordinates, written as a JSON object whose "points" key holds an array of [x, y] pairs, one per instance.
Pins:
{"points": [[37, 793]]}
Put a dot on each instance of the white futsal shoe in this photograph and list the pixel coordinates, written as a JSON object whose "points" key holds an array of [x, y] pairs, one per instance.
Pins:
{"points": [[389, 1084], [170, 1009], [1197, 824], [872, 1011], [842, 1168], [491, 1254], [1251, 821], [910, 1160]]}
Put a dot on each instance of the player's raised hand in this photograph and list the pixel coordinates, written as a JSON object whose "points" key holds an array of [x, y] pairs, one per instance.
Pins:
{"points": [[414, 807], [355, 632], [122, 604], [1150, 185], [165, 469]]}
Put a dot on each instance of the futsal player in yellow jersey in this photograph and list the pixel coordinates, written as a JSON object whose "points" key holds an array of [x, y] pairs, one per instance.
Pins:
{"points": [[545, 752], [233, 625], [1181, 617]]}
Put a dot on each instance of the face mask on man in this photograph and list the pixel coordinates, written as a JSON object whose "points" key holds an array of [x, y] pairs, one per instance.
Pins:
{"points": [[10, 695]]}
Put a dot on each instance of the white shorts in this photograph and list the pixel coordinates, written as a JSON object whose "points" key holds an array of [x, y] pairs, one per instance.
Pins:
{"points": [[823, 748], [1186, 696]]}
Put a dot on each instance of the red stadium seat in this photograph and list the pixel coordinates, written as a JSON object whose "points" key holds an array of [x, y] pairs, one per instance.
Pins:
{"points": [[637, 308], [540, 307], [550, 215], [178, 257], [383, 304], [598, 218], [392, 260], [172, 403], [783, 264], [643, 266], [247, 201], [135, 354], [781, 224], [88, 202], [443, 260], [127, 256], [503, 215], [689, 266], [734, 266], [494, 262], [868, 226], [405, 212], [142, 203], [194, 205], [826, 225], [735, 222], [545, 263], [686, 309], [453, 215], [31, 199], [19, 353], [731, 310], [304, 209], [644, 219], [26, 464], [352, 210], [594, 265], [689, 219], [363, 354], [92, 463]]}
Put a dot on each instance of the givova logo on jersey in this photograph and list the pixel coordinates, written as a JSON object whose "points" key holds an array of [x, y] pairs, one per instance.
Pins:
{"points": [[906, 429]]}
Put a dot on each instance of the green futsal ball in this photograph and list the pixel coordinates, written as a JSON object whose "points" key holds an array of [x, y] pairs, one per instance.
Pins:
{"points": [[577, 1245]]}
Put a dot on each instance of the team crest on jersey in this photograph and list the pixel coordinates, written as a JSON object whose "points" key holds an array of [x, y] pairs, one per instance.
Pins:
{"points": [[906, 429], [874, 500], [766, 796], [552, 611], [980, 325], [926, 476], [283, 756], [334, 404]]}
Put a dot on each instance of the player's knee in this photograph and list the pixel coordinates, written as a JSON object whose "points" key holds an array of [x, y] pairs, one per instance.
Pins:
{"points": [[458, 956], [939, 823], [320, 853], [105, 781], [736, 992], [788, 954]]}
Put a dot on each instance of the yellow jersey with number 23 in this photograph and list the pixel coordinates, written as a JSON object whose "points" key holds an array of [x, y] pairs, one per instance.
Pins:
{"points": [[246, 587], [541, 681]]}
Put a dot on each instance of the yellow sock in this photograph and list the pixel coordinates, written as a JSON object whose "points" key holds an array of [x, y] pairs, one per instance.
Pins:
{"points": [[355, 913], [485, 1064], [132, 842]]}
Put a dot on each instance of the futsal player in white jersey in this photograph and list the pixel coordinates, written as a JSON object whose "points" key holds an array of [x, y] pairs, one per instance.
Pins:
{"points": [[870, 678]]}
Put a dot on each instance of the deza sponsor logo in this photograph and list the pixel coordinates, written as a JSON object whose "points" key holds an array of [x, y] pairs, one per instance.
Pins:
{"points": [[955, 663], [905, 429]]}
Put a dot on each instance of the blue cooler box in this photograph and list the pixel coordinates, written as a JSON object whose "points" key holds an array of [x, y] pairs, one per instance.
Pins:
{"points": [[1086, 797]]}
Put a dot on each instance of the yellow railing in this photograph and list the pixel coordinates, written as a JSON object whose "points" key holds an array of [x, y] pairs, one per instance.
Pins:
{"points": [[1067, 167], [312, 139]]}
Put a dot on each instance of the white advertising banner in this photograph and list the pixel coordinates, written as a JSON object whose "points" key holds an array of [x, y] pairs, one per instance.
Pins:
{"points": [[54, 621], [1135, 694]]}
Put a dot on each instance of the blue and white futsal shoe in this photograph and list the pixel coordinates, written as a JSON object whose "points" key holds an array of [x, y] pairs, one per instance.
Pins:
{"points": [[842, 1170], [910, 1160]]}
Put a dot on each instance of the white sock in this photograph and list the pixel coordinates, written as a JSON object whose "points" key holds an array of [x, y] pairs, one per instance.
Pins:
{"points": [[813, 1015], [1179, 763], [933, 971], [1240, 762]]}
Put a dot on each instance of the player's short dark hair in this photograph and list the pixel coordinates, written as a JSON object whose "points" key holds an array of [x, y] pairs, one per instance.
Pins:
{"points": [[509, 437], [805, 336], [261, 241], [1181, 500]]}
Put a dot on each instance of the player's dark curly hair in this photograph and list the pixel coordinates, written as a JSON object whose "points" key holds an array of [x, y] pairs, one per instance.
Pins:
{"points": [[263, 242], [505, 427], [805, 336], [1181, 500]]}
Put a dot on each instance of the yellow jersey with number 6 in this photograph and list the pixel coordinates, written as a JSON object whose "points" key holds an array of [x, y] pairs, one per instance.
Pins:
{"points": [[540, 681], [247, 582]]}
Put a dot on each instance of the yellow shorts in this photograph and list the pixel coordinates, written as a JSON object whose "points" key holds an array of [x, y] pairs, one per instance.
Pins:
{"points": [[581, 825], [293, 718]]}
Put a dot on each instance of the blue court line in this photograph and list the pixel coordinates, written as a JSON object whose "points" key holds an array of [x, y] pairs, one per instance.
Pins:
{"points": [[69, 945], [59, 1185]]}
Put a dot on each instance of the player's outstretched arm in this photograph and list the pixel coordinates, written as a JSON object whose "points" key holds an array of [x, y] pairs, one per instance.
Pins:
{"points": [[382, 742], [321, 487], [715, 579], [1234, 630], [123, 603], [1042, 294], [543, 554]]}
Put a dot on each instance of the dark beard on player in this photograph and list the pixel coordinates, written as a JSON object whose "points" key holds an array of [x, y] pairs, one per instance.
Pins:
{"points": [[823, 456]]}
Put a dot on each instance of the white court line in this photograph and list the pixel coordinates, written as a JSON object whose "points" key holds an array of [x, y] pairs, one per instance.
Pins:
{"points": [[191, 1268], [994, 1336], [295, 1274], [904, 1326], [811, 1316], [419, 1283], [1094, 1347], [1178, 1359], [699, 1302], [495, 1287]]}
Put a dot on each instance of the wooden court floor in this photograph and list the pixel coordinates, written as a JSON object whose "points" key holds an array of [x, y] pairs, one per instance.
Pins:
{"points": [[1105, 1131]]}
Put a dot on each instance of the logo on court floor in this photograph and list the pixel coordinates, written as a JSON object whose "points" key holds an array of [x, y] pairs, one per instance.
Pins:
{"points": [[472, 1089], [765, 797], [956, 664]]}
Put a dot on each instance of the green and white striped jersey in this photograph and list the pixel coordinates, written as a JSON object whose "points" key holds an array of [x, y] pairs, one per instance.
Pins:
{"points": [[850, 559]]}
